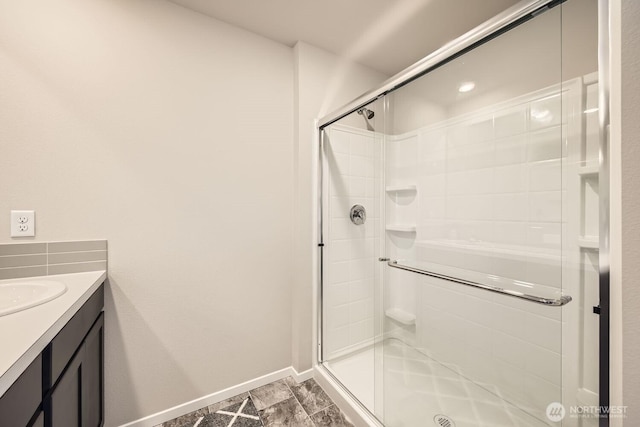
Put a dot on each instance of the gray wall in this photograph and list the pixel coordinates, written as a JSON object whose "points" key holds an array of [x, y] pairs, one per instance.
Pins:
{"points": [[188, 144], [171, 135]]}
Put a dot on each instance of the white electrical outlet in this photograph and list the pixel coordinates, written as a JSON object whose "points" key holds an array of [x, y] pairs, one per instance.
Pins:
{"points": [[23, 223]]}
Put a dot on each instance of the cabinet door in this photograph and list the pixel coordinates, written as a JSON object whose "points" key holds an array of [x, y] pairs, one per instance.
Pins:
{"points": [[20, 402], [93, 376], [39, 422], [70, 338], [77, 399], [66, 409]]}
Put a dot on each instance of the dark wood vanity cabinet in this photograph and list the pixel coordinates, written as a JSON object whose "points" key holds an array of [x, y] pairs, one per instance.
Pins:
{"points": [[73, 369], [64, 386], [76, 399], [39, 422], [18, 406]]}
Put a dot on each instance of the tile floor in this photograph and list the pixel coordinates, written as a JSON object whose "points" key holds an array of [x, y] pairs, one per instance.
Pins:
{"points": [[280, 403], [414, 389]]}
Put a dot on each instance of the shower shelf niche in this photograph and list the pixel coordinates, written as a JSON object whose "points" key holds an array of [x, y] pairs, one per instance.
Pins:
{"points": [[402, 228], [587, 171], [401, 316], [589, 242], [401, 188]]}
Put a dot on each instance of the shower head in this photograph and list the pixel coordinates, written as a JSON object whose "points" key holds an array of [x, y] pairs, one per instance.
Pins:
{"points": [[366, 112]]}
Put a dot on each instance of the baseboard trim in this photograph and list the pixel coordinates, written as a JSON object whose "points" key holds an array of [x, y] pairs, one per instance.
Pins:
{"points": [[301, 376], [219, 396]]}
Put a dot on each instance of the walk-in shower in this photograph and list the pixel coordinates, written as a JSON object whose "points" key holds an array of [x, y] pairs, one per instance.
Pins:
{"points": [[470, 294]]}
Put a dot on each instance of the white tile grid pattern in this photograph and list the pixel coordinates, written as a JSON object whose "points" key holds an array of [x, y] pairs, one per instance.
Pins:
{"points": [[401, 209], [350, 249], [491, 184], [413, 380], [509, 348], [494, 183], [490, 200]]}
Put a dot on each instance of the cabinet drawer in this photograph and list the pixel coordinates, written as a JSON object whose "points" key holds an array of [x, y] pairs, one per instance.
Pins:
{"points": [[65, 344], [20, 402]]}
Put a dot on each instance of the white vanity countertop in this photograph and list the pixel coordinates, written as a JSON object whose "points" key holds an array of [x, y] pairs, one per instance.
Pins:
{"points": [[24, 334]]}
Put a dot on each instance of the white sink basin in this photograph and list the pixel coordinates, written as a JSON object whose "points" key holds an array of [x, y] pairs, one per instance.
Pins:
{"points": [[17, 296]]}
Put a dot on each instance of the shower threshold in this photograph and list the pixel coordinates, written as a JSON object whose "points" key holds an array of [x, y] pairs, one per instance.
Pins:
{"points": [[417, 390]]}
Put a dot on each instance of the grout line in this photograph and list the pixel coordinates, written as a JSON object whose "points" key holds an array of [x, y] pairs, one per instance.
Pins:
{"points": [[254, 405], [235, 416], [79, 262], [12, 255], [76, 252], [330, 400], [77, 241], [325, 408], [298, 401], [22, 266]]}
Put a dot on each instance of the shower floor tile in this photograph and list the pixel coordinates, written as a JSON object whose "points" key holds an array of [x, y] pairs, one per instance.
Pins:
{"points": [[280, 403], [417, 389]]}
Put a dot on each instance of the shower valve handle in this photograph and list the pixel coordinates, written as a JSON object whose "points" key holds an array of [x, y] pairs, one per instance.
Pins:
{"points": [[358, 214]]}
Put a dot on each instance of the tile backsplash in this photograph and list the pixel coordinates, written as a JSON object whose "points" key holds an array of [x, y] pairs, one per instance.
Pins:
{"points": [[48, 258]]}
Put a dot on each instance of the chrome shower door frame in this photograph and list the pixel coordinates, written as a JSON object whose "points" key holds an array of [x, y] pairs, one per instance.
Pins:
{"points": [[523, 11]]}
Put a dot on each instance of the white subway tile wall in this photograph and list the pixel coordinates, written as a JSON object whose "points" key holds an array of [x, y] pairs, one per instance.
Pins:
{"points": [[492, 182], [489, 201], [348, 292], [496, 195], [489, 339]]}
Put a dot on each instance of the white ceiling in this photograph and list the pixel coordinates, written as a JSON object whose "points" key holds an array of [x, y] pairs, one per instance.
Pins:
{"points": [[387, 35]]}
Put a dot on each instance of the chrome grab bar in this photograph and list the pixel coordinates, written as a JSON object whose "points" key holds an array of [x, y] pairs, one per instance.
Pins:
{"points": [[565, 299]]}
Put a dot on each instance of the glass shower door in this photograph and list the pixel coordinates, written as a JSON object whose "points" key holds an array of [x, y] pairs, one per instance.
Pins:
{"points": [[465, 298], [351, 151], [490, 213]]}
